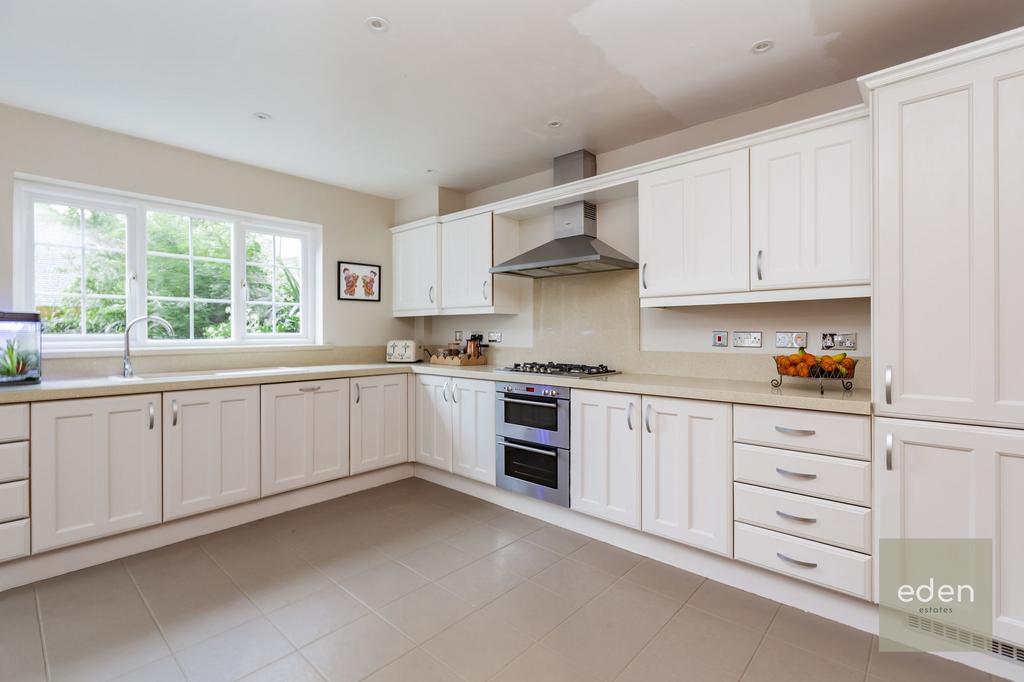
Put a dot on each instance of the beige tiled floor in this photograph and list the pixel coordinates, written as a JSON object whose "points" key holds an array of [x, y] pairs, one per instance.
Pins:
{"points": [[412, 581]]}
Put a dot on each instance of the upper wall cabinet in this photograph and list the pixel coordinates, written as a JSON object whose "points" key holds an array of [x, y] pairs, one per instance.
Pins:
{"points": [[415, 253], [810, 208], [948, 273], [694, 227]]}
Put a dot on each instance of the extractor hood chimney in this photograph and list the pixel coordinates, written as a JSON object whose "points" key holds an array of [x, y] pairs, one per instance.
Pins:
{"points": [[575, 248]]}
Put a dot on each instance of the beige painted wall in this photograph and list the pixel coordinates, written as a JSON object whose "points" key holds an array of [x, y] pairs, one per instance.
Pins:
{"points": [[355, 225]]}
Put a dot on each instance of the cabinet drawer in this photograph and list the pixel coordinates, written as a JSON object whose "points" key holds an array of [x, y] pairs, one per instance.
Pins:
{"points": [[13, 423], [834, 523], [832, 567], [13, 500], [834, 478], [14, 540], [13, 461], [843, 435]]}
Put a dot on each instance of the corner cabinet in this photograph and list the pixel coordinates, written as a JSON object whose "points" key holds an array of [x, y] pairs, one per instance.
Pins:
{"points": [[947, 317], [211, 449], [415, 256], [304, 434], [95, 468], [377, 408]]}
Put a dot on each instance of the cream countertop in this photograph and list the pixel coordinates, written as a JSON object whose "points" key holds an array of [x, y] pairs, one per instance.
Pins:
{"points": [[802, 396]]}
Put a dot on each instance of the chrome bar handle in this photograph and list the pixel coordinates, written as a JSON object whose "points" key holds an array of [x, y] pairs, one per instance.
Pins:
{"points": [[520, 446], [629, 416], [888, 452], [553, 406], [795, 432], [647, 418], [174, 413], [430, 293], [643, 276], [760, 259], [309, 389], [791, 517], [484, 289], [359, 393], [152, 416], [795, 474], [888, 384], [796, 562]]}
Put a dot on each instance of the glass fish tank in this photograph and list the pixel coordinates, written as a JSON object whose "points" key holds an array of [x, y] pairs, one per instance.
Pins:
{"points": [[20, 342]]}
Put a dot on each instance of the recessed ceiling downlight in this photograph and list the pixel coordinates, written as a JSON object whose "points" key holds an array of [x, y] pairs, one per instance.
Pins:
{"points": [[431, 171], [762, 46], [379, 24], [554, 123], [262, 115]]}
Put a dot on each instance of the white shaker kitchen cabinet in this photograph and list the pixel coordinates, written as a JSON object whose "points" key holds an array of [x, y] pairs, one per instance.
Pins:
{"points": [[211, 449], [95, 468], [810, 208], [473, 429], [951, 481], [434, 421], [377, 407], [947, 318], [466, 254], [304, 434], [694, 227], [604, 471], [415, 269], [687, 472]]}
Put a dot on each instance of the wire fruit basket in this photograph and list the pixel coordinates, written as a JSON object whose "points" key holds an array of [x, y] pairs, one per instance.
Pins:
{"points": [[804, 365]]}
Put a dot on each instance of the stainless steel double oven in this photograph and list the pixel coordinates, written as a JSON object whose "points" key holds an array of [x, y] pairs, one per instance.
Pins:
{"points": [[532, 454]]}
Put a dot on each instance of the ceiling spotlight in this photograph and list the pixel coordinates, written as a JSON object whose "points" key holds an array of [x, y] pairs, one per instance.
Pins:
{"points": [[554, 123], [762, 46], [379, 24], [431, 171], [262, 115]]}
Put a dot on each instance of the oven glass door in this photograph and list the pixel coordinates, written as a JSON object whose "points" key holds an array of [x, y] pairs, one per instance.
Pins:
{"points": [[537, 471], [537, 420]]}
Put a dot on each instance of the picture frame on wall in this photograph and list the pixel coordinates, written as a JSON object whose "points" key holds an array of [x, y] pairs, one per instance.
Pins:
{"points": [[359, 281]]}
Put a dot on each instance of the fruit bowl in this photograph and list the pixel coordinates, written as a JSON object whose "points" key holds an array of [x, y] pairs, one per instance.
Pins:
{"points": [[809, 366]]}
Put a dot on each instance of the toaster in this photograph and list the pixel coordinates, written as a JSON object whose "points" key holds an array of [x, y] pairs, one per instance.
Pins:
{"points": [[403, 350]]}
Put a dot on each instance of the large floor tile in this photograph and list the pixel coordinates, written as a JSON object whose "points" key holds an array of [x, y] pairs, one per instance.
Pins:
{"points": [[482, 581], [436, 560], [827, 638], [540, 664], [415, 666], [191, 598], [610, 630], [605, 557], [21, 648], [291, 668], [526, 558], [742, 608], [777, 661], [235, 653], [558, 539], [339, 563], [314, 616], [96, 625], [894, 666], [480, 540], [698, 642], [478, 646], [163, 670], [666, 580], [357, 650], [578, 583], [384, 583], [423, 613], [531, 609], [516, 523]]}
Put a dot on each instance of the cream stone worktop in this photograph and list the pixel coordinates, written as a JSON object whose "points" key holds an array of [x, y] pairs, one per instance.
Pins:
{"points": [[802, 396]]}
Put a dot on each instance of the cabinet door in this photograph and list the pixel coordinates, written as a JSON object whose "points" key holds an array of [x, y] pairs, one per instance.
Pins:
{"points": [[947, 315], [211, 449], [687, 472], [304, 428], [434, 421], [694, 227], [415, 270], [95, 468], [946, 481], [379, 421], [473, 451], [604, 471], [466, 255], [810, 208]]}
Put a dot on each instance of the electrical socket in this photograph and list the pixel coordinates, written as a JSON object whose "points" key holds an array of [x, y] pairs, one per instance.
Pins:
{"points": [[746, 339], [840, 341], [790, 339], [493, 337], [719, 339]]}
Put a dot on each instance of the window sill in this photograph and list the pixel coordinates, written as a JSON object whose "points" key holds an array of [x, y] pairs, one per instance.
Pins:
{"points": [[58, 353]]}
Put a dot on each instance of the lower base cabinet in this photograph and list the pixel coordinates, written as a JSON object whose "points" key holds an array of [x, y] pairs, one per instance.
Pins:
{"points": [[95, 469], [211, 449], [473, 448], [433, 442], [377, 411]]}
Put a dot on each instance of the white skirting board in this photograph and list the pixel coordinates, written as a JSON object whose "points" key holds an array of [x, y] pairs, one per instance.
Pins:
{"points": [[76, 557], [851, 611]]}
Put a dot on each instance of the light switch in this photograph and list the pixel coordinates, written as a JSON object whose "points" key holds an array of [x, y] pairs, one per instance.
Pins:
{"points": [[458, 336], [746, 339], [493, 337], [719, 338], [790, 339]]}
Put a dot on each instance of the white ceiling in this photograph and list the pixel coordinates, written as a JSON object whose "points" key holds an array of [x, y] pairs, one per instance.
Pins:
{"points": [[462, 86]]}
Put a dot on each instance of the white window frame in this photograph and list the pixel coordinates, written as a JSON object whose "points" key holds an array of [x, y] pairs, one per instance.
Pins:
{"points": [[29, 190]]}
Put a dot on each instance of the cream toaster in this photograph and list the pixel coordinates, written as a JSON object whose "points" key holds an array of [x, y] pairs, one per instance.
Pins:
{"points": [[403, 350]]}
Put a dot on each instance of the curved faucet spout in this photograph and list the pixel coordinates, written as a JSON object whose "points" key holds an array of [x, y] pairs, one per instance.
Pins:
{"points": [[127, 371]]}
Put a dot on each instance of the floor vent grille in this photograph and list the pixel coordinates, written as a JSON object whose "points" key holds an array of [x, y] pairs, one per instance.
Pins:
{"points": [[967, 638]]}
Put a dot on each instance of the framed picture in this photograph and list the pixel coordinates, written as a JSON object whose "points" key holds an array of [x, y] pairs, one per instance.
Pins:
{"points": [[358, 281]]}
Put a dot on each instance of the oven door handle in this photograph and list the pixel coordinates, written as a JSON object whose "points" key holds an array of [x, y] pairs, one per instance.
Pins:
{"points": [[553, 406], [529, 449]]}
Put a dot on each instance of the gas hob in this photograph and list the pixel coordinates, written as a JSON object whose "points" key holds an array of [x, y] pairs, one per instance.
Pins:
{"points": [[559, 369]]}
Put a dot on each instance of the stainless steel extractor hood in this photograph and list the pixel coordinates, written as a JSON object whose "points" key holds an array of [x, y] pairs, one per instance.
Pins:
{"points": [[575, 248]]}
